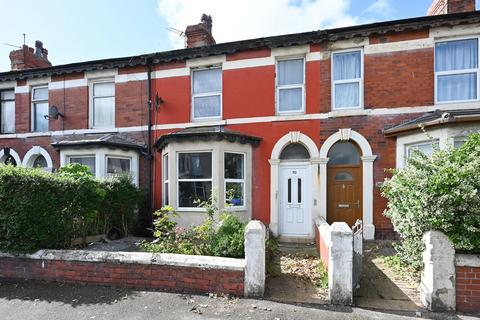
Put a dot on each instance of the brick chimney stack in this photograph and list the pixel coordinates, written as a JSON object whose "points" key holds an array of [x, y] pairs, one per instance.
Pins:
{"points": [[199, 35], [29, 58], [450, 6]]}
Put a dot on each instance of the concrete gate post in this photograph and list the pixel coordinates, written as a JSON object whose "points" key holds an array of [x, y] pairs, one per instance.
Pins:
{"points": [[340, 264], [255, 234]]}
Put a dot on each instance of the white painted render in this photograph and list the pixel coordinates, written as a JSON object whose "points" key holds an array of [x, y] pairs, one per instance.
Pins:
{"points": [[255, 238]]}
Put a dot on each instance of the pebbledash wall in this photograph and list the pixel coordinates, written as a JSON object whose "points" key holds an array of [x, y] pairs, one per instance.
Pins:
{"points": [[397, 84]]}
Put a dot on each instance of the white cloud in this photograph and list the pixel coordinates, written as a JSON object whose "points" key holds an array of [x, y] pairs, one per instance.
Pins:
{"points": [[380, 8], [246, 19]]}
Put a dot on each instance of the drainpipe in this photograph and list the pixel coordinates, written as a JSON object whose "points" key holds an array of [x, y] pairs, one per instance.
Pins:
{"points": [[149, 144]]}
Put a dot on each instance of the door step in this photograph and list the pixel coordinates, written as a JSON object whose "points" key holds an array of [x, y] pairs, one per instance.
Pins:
{"points": [[298, 248]]}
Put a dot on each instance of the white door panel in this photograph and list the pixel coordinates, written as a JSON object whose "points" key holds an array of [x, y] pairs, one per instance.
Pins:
{"points": [[295, 197]]}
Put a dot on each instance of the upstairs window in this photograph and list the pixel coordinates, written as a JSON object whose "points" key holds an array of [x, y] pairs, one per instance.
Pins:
{"points": [[7, 111], [207, 94], [102, 104], [40, 109], [290, 86], [456, 70], [347, 81]]}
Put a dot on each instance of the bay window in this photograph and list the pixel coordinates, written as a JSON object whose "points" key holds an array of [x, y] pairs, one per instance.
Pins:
{"points": [[456, 70], [347, 80], [426, 148], [290, 85], [194, 174], [234, 179], [165, 199], [118, 166], [40, 109], [102, 101], [7, 111], [207, 94]]}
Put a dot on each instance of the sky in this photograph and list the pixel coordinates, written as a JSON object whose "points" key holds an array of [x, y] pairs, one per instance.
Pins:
{"points": [[74, 31]]}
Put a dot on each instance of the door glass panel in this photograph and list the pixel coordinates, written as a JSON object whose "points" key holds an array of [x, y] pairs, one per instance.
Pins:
{"points": [[289, 188], [299, 190], [343, 176], [343, 153]]}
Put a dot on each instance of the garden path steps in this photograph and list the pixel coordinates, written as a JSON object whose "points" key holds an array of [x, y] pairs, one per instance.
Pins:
{"points": [[380, 286], [285, 287]]}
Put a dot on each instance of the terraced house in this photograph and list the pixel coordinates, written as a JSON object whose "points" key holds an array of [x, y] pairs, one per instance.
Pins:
{"points": [[284, 129]]}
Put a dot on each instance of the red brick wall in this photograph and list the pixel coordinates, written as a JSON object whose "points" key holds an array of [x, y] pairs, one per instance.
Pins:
{"points": [[160, 277], [468, 289]]}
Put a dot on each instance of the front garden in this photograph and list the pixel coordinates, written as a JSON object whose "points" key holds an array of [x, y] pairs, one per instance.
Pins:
{"points": [[441, 193]]}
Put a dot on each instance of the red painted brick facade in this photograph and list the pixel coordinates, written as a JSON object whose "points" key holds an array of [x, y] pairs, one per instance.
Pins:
{"points": [[468, 289], [159, 277]]}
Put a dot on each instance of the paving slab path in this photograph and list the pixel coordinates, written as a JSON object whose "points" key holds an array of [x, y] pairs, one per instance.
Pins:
{"points": [[380, 286]]}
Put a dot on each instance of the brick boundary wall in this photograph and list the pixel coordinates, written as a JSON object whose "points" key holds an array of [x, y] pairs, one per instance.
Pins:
{"points": [[169, 272], [321, 242], [467, 284]]}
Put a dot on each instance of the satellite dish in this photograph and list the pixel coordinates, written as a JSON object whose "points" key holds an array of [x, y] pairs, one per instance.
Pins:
{"points": [[54, 113]]}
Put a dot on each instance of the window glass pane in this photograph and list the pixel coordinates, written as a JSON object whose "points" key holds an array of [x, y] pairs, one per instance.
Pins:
{"points": [[196, 165], [347, 95], [299, 190], [456, 55], [294, 151], [290, 99], [457, 87], [40, 162], [343, 153], [425, 148], [7, 95], [205, 81], [289, 191], [234, 193], [103, 112], [165, 167], [10, 161], [86, 161], [104, 89], [343, 176], [118, 166], [290, 72], [40, 93], [208, 106], [458, 142], [234, 166], [40, 111], [347, 65], [192, 191], [166, 199], [8, 117]]}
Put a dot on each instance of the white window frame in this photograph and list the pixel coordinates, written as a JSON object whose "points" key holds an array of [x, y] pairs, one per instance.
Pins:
{"points": [[205, 94], [191, 180], [91, 99], [70, 156], [289, 86], [165, 179], [243, 181], [410, 146], [458, 139], [456, 72], [34, 102], [360, 80], [113, 156], [14, 108]]}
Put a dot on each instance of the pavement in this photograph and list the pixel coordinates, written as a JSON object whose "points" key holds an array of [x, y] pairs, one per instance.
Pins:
{"points": [[28, 300]]}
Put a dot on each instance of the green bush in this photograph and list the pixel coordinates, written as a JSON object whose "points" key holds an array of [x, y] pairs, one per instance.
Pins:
{"points": [[41, 210], [229, 239], [437, 193]]}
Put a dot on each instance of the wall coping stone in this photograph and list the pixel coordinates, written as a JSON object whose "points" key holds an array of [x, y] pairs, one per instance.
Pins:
{"points": [[467, 260], [167, 259]]}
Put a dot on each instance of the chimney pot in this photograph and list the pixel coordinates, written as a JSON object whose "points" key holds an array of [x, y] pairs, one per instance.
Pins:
{"points": [[200, 34], [30, 58]]}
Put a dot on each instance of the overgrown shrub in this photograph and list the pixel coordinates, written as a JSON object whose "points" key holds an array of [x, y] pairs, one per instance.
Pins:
{"points": [[437, 193], [40, 210], [224, 237]]}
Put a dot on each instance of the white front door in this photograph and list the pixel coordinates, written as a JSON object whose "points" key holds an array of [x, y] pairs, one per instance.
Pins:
{"points": [[295, 197]]}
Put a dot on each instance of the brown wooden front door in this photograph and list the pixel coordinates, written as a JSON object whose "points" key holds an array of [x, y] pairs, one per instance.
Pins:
{"points": [[344, 190]]}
